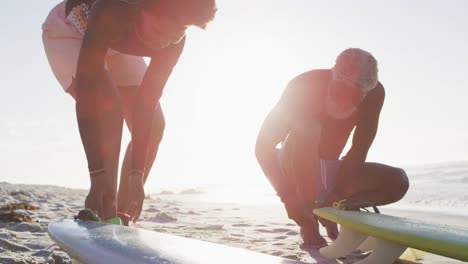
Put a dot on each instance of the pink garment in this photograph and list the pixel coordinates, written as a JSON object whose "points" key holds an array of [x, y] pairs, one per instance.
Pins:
{"points": [[62, 44]]}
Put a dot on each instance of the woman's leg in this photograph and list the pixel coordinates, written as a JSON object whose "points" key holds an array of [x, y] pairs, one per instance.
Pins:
{"points": [[100, 122], [62, 53]]}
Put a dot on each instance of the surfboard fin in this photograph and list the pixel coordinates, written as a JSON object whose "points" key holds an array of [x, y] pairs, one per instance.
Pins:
{"points": [[409, 254], [383, 252], [347, 241]]}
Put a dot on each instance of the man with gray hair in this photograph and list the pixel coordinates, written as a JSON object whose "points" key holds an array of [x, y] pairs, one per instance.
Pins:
{"points": [[301, 140]]}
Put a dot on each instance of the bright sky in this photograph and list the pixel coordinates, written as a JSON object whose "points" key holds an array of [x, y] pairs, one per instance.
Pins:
{"points": [[229, 77]]}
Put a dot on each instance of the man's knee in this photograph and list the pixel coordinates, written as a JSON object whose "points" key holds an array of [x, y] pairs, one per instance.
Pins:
{"points": [[401, 184]]}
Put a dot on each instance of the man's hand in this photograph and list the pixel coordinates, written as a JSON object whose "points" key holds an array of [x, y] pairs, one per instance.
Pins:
{"points": [[326, 199]]}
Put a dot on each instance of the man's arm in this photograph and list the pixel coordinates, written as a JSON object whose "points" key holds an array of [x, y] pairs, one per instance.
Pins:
{"points": [[291, 115], [274, 130], [364, 135]]}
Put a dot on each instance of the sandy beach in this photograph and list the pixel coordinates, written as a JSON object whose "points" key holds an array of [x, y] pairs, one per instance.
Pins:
{"points": [[266, 229]]}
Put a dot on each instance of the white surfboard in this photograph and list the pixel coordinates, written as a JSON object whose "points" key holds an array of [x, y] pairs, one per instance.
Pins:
{"points": [[93, 242]]}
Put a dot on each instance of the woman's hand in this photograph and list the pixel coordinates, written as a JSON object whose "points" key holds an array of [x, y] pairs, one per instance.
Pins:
{"points": [[137, 195], [101, 198]]}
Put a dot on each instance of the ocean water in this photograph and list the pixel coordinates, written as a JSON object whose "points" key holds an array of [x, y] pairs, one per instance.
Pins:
{"points": [[433, 187], [439, 187]]}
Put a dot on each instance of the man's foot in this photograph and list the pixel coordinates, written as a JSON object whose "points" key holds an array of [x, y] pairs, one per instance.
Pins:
{"points": [[328, 199], [311, 237], [332, 230]]}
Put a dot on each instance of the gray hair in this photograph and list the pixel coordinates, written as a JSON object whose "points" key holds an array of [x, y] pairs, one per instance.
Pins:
{"points": [[356, 67]]}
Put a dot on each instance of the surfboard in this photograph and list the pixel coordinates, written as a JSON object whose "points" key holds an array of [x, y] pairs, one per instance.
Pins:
{"points": [[389, 236], [94, 242]]}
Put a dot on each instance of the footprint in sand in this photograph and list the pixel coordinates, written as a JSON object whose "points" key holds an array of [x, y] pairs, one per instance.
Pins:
{"points": [[34, 246], [210, 227], [153, 210], [264, 230], [276, 230], [27, 227], [278, 244], [231, 239], [293, 257], [256, 240], [281, 230], [42, 253], [274, 223], [281, 237], [276, 253], [292, 233], [188, 213], [12, 246], [60, 257], [240, 225], [218, 209], [162, 218]]}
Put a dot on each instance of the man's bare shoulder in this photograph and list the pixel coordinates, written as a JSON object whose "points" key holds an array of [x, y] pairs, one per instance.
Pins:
{"points": [[310, 79], [304, 96], [308, 83]]}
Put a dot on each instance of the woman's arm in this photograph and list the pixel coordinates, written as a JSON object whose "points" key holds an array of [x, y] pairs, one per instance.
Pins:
{"points": [[150, 92]]}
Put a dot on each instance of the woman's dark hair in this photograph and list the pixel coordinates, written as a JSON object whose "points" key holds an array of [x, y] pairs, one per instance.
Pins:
{"points": [[197, 12]]}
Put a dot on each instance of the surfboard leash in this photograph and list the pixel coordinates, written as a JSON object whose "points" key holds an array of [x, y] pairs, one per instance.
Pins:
{"points": [[346, 206]]}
